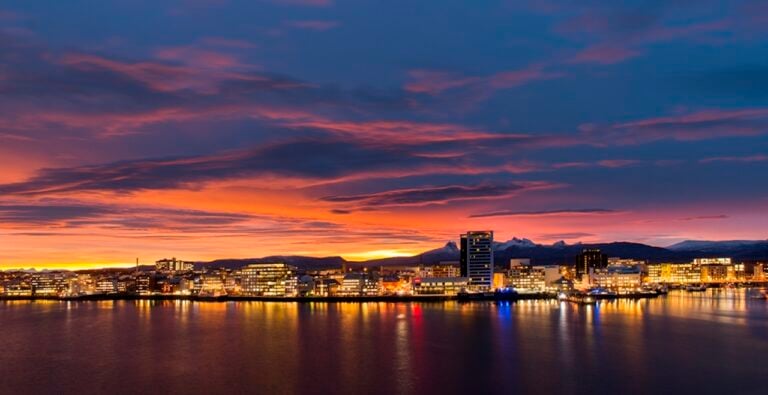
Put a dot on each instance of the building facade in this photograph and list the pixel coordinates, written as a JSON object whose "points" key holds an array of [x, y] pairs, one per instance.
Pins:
{"points": [[439, 285], [477, 259], [618, 278], [526, 278], [590, 259], [173, 265], [269, 279], [445, 269], [674, 273]]}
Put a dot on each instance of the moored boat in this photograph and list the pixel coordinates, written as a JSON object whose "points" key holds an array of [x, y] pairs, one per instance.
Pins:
{"points": [[578, 298]]}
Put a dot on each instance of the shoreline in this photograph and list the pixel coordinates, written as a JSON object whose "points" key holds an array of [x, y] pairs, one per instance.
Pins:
{"points": [[328, 299]]}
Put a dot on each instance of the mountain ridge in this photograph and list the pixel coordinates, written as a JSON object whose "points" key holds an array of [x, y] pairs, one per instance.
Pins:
{"points": [[540, 254]]}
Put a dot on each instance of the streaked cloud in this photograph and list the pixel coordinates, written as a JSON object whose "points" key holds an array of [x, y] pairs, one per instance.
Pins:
{"points": [[436, 82], [434, 195], [316, 25], [741, 159], [513, 213], [704, 217]]}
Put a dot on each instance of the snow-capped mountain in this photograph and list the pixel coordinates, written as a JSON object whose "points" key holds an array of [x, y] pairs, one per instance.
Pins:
{"points": [[448, 249], [559, 244], [514, 242]]}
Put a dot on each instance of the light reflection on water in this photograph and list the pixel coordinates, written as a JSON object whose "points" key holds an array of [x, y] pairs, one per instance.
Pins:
{"points": [[663, 345]]}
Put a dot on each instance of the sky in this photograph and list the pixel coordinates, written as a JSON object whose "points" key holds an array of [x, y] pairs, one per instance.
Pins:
{"points": [[206, 129]]}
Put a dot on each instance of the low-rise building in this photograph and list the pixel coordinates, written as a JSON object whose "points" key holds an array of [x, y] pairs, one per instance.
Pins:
{"points": [[758, 272], [526, 278], [439, 285], [674, 273], [617, 278], [143, 284], [106, 285], [212, 284], [499, 280], [173, 265], [716, 273], [446, 269], [269, 279], [395, 285], [327, 287], [49, 283], [359, 284]]}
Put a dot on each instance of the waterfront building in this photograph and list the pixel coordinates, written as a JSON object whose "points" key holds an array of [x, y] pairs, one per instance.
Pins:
{"points": [[231, 280], [590, 259], [306, 285], [371, 285], [17, 290], [173, 265], [269, 279], [716, 273], [617, 278], [476, 259], [106, 285], [186, 285], [526, 278], [568, 272], [212, 284], [499, 280], [758, 273], [654, 274], [351, 285], [326, 287], [49, 283], [81, 284], [143, 284], [125, 283], [359, 284], [674, 273], [739, 272], [165, 286], [439, 285], [395, 285], [552, 273]]}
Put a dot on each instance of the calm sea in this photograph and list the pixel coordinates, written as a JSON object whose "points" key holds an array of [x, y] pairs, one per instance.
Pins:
{"points": [[714, 342]]}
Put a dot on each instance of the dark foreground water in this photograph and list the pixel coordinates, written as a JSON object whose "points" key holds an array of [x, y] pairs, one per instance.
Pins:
{"points": [[682, 343]]}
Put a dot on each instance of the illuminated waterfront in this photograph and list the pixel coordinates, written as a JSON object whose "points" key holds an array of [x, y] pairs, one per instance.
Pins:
{"points": [[627, 346]]}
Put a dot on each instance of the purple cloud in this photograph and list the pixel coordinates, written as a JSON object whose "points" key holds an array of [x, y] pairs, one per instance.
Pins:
{"points": [[513, 213]]}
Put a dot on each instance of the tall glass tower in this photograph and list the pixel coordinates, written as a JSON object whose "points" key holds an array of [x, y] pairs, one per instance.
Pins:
{"points": [[477, 259]]}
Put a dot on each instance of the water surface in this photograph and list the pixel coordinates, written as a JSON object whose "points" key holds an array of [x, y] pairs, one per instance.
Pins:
{"points": [[715, 342]]}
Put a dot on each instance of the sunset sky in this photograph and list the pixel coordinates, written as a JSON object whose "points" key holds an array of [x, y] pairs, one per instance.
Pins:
{"points": [[206, 129]]}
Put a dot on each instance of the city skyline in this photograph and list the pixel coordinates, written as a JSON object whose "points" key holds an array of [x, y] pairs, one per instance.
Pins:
{"points": [[234, 129]]}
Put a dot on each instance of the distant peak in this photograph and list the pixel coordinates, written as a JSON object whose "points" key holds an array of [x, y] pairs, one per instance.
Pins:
{"points": [[689, 245], [514, 242]]}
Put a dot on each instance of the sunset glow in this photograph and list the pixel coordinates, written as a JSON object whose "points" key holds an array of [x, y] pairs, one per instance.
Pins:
{"points": [[293, 128]]}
